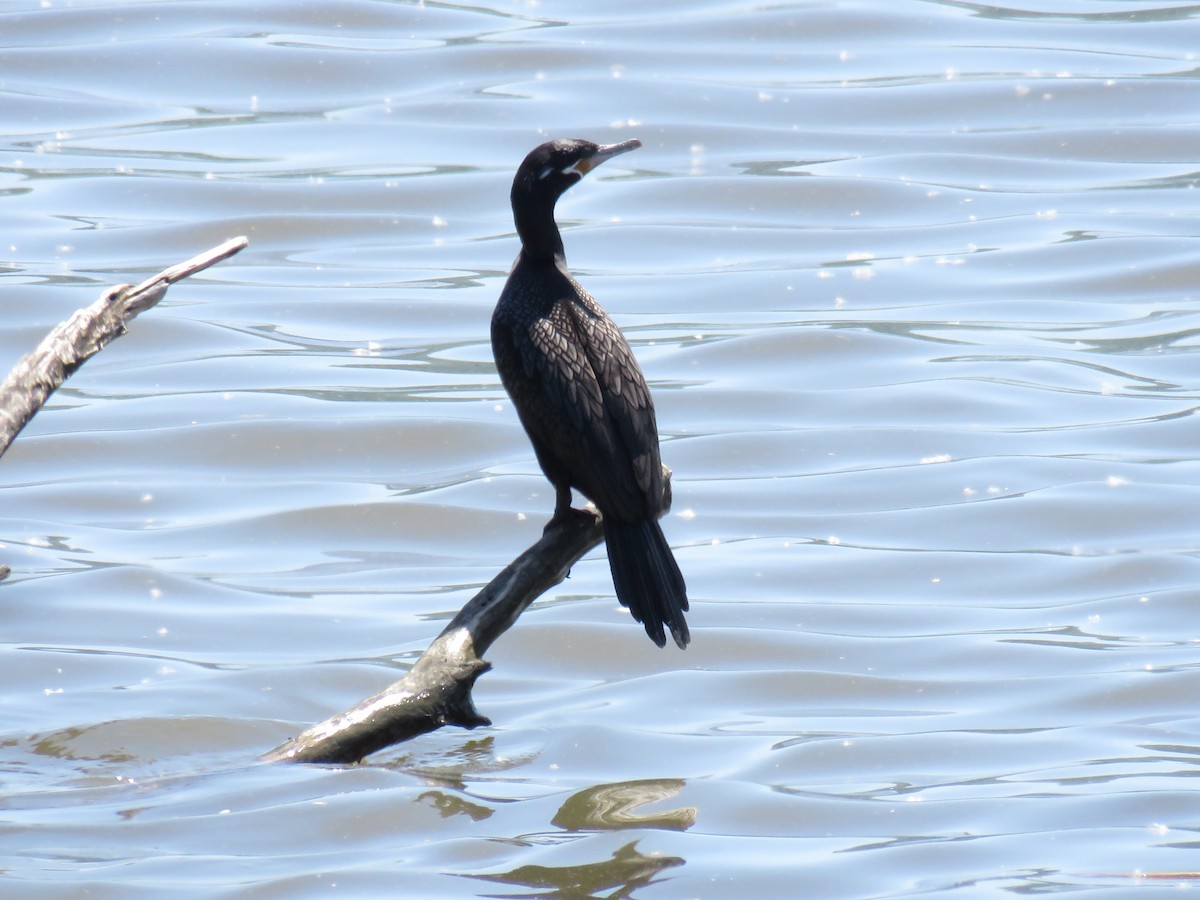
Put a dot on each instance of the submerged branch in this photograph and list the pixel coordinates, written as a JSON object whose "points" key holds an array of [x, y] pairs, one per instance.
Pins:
{"points": [[38, 374], [436, 691]]}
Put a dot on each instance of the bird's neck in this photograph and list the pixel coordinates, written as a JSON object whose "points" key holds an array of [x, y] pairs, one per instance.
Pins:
{"points": [[540, 239]]}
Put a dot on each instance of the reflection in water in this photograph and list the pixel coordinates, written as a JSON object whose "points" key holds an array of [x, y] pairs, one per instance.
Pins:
{"points": [[614, 807], [73, 744], [451, 769], [455, 805], [618, 877]]}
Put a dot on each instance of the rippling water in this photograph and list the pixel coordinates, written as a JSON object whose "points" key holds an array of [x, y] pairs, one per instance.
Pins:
{"points": [[915, 287]]}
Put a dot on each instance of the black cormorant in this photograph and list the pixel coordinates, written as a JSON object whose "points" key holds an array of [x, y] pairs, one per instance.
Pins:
{"points": [[580, 393]]}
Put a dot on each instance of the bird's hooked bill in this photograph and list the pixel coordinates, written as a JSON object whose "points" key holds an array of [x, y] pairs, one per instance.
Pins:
{"points": [[603, 154]]}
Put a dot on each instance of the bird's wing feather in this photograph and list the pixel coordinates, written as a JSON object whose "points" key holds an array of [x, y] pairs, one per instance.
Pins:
{"points": [[581, 397], [626, 398]]}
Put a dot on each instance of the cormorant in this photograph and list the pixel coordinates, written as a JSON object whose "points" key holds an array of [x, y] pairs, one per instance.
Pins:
{"points": [[580, 394]]}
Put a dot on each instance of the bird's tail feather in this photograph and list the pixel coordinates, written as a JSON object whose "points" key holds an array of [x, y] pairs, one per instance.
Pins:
{"points": [[647, 578]]}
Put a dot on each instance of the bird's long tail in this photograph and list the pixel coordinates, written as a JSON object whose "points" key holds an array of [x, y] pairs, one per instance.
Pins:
{"points": [[647, 578]]}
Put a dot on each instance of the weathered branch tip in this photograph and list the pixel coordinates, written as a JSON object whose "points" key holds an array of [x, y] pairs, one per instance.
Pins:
{"points": [[69, 345], [39, 373]]}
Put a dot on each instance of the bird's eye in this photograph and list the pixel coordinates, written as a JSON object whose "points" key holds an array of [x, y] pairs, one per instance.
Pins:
{"points": [[545, 173]]}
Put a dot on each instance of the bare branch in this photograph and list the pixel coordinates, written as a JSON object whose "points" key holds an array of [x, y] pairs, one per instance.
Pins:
{"points": [[37, 375], [436, 691]]}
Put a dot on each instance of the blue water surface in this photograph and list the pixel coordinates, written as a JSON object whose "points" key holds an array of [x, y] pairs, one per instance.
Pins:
{"points": [[914, 285]]}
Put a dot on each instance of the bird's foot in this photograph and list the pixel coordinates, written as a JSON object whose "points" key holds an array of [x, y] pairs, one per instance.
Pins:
{"points": [[566, 514]]}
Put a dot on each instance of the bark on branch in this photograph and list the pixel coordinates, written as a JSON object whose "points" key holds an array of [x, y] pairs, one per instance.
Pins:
{"points": [[41, 372], [38, 374], [436, 691]]}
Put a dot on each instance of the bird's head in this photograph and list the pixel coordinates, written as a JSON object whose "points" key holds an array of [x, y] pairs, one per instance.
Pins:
{"points": [[554, 166]]}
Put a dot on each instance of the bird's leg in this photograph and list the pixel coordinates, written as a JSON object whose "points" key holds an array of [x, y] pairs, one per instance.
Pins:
{"points": [[562, 500], [562, 506]]}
